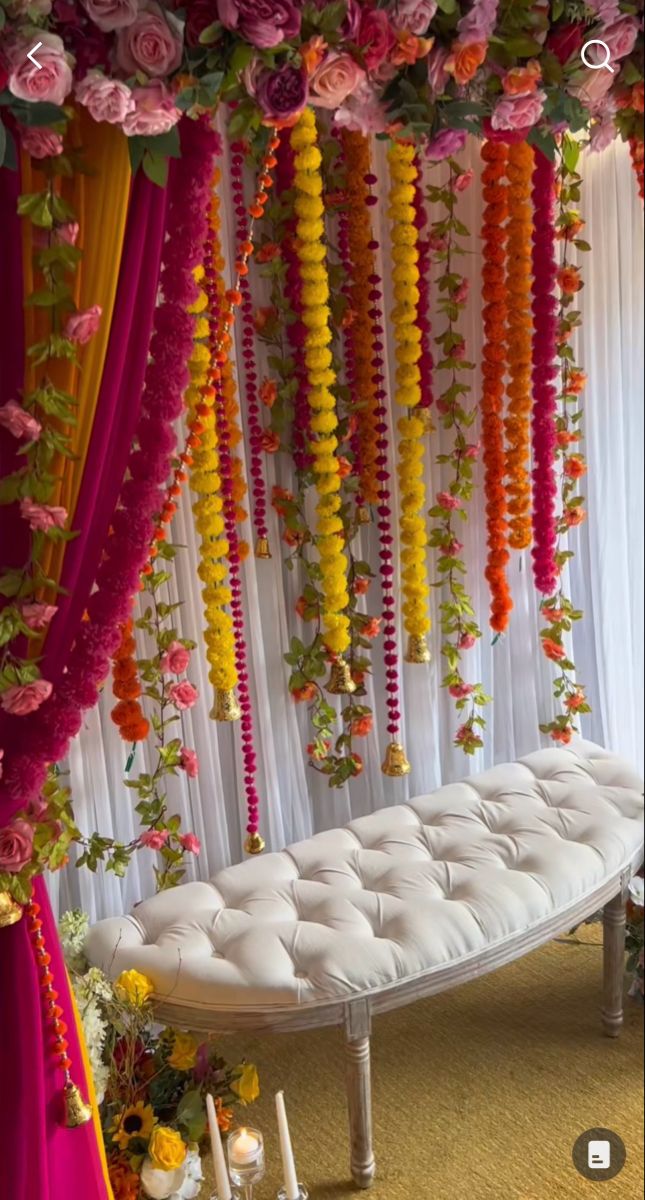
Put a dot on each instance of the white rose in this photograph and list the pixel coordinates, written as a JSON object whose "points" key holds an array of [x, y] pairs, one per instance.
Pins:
{"points": [[159, 1185]]}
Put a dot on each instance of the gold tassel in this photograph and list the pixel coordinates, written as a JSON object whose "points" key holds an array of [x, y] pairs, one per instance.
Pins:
{"points": [[418, 650], [10, 911], [340, 682], [363, 515], [226, 707], [262, 548], [77, 1111], [254, 844], [395, 763]]}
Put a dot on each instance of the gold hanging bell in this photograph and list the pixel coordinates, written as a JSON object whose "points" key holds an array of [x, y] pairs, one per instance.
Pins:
{"points": [[254, 844], [395, 763], [340, 682], [363, 515], [418, 650], [10, 911], [77, 1110], [262, 549], [226, 707]]}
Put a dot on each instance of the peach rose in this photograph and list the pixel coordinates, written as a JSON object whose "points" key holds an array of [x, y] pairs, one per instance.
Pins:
{"points": [[111, 14], [149, 44], [336, 78], [154, 111], [465, 60], [16, 845], [42, 517], [40, 142], [52, 82], [23, 698], [19, 422], [80, 327], [105, 99]]}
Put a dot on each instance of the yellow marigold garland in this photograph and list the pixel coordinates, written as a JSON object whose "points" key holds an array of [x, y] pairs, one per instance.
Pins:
{"points": [[519, 172], [321, 379], [205, 481], [407, 336]]}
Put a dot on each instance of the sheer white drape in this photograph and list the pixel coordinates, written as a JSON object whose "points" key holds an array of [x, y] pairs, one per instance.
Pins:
{"points": [[606, 581]]}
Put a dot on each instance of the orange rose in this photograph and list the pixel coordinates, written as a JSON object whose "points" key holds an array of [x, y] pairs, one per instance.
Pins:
{"points": [[344, 466], [465, 60], [361, 726], [409, 48], [565, 439], [306, 692], [574, 516], [361, 585], [576, 381], [270, 441], [521, 81], [569, 280], [638, 93], [575, 466], [312, 53], [268, 392], [562, 735], [553, 650], [371, 628], [263, 317], [575, 700], [267, 252]]}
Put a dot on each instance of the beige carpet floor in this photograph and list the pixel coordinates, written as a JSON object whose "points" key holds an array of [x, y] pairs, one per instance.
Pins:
{"points": [[479, 1093]]}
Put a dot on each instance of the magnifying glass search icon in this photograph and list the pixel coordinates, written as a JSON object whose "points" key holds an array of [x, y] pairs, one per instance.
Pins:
{"points": [[597, 66]]}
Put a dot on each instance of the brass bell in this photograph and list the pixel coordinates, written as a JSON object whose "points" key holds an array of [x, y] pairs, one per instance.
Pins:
{"points": [[340, 682], [395, 763], [262, 548], [254, 844], [418, 650], [77, 1110], [226, 707], [10, 911], [363, 515]]}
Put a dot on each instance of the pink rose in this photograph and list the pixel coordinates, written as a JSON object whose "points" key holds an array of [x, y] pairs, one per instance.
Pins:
{"points": [[472, 450], [148, 44], [190, 842], [363, 111], [414, 16], [466, 641], [154, 839], [16, 845], [51, 83], [154, 111], [453, 548], [464, 180], [105, 99], [189, 762], [82, 326], [445, 144], [446, 500], [19, 422], [23, 698], [460, 690], [67, 234], [111, 14], [437, 73], [263, 23], [375, 37], [183, 695], [460, 295], [593, 91], [37, 616], [336, 78], [40, 142], [621, 39], [518, 112], [42, 516], [175, 660], [603, 131]]}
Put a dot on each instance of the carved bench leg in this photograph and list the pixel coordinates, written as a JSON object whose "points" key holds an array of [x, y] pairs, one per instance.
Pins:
{"points": [[359, 1102], [613, 965]]}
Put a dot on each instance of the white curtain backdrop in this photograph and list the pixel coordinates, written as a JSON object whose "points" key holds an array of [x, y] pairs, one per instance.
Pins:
{"points": [[606, 580]]}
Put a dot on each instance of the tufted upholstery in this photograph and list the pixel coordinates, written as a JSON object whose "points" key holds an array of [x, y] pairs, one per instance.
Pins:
{"points": [[404, 891]]}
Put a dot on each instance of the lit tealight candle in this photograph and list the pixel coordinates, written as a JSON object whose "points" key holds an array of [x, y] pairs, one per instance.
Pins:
{"points": [[291, 1186], [243, 1148], [222, 1181]]}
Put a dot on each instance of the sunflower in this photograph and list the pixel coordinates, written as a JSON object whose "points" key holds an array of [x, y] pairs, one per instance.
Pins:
{"points": [[136, 1121]]}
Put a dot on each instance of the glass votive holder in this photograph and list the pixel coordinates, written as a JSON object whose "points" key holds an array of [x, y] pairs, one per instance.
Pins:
{"points": [[245, 1152], [303, 1194]]}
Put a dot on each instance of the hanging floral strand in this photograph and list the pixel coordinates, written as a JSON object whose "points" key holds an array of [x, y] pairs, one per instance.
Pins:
{"points": [[411, 427], [322, 402], [517, 425], [459, 629], [545, 328], [426, 362], [494, 156], [558, 610]]}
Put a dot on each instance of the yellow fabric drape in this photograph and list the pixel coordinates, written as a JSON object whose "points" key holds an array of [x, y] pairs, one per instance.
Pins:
{"points": [[100, 202], [91, 1094]]}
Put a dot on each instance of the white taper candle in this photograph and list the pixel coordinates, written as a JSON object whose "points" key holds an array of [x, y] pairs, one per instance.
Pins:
{"points": [[288, 1165], [222, 1181]]}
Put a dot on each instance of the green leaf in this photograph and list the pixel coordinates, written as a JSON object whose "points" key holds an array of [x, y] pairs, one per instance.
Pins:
{"points": [[39, 113], [155, 169], [570, 152]]}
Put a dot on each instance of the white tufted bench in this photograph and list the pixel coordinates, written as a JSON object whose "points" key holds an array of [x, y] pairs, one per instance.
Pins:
{"points": [[397, 905]]}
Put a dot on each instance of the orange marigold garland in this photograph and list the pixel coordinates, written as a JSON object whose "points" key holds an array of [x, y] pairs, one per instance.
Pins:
{"points": [[494, 155], [519, 171], [128, 714], [558, 610]]}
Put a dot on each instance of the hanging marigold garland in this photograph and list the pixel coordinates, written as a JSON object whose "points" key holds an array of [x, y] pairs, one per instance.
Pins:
{"points": [[411, 427], [494, 155], [558, 610], [519, 170], [545, 327], [321, 378]]}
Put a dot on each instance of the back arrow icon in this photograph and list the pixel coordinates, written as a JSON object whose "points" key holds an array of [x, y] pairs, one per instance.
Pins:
{"points": [[31, 58]]}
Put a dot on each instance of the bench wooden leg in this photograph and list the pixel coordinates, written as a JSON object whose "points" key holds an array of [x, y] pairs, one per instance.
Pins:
{"points": [[613, 965], [359, 1102]]}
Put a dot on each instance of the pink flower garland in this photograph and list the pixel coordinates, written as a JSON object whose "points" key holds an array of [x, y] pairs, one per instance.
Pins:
{"points": [[545, 395], [349, 356], [426, 362], [254, 422], [60, 719]]}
